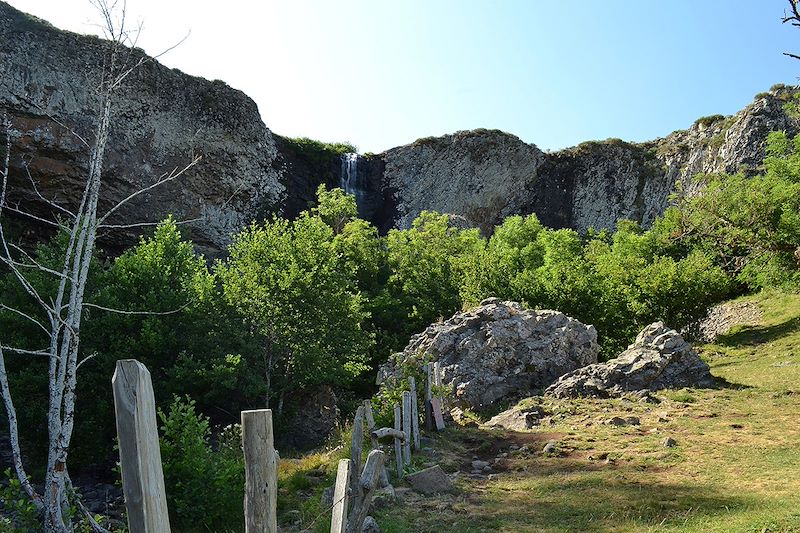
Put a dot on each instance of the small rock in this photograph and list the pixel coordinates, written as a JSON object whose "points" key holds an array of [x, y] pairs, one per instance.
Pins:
{"points": [[326, 500], [370, 526], [550, 448], [616, 421], [669, 442], [479, 465], [598, 456], [632, 420], [430, 481], [385, 497]]}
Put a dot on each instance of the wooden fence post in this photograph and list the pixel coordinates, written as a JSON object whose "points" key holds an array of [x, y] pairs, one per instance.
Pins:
{"points": [[376, 445], [414, 413], [428, 397], [356, 446], [398, 447], [340, 497], [365, 487], [139, 451], [407, 427], [261, 472]]}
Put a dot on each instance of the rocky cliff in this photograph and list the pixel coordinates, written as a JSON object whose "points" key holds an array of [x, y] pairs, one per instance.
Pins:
{"points": [[488, 175], [163, 116]]}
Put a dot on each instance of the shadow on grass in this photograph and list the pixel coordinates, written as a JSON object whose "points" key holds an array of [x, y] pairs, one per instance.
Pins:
{"points": [[571, 496], [754, 335]]}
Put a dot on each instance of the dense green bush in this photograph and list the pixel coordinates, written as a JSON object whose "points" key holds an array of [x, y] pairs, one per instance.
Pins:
{"points": [[204, 485]]}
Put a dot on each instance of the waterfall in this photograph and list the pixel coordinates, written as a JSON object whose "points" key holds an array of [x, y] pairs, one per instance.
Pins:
{"points": [[349, 178]]}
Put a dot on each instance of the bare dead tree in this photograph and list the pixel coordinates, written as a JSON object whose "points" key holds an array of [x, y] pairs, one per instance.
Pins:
{"points": [[793, 18], [64, 308]]}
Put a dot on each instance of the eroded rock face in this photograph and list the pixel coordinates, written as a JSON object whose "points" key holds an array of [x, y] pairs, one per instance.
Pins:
{"points": [[481, 175], [658, 359], [486, 175], [315, 415], [500, 351], [161, 118]]}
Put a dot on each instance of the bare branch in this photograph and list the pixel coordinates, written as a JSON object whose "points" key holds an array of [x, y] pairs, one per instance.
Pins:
{"points": [[4, 307], [145, 313], [164, 178], [51, 203], [23, 351], [147, 224]]}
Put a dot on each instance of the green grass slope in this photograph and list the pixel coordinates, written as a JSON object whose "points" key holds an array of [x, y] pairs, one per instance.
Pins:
{"points": [[736, 465]]}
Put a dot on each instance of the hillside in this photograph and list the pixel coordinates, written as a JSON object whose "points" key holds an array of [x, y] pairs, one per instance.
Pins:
{"points": [[735, 465]]}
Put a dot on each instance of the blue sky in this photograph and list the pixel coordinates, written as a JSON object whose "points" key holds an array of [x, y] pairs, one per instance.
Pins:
{"points": [[556, 73]]}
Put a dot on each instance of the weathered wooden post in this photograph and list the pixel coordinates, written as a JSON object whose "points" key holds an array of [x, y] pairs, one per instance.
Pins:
{"points": [[139, 451], [340, 497], [414, 413], [407, 427], [437, 404], [261, 472], [356, 446], [428, 397], [376, 445], [398, 447], [365, 487]]}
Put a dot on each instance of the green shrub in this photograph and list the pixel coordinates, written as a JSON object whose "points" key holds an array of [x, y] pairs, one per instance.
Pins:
{"points": [[205, 486]]}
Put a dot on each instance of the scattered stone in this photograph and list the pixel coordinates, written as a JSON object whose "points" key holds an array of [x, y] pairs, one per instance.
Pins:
{"points": [[632, 420], [659, 359], [479, 465], [721, 318], [384, 497], [499, 351], [737, 426], [370, 526], [517, 418], [326, 499], [669, 442], [430, 481], [617, 421], [551, 448]]}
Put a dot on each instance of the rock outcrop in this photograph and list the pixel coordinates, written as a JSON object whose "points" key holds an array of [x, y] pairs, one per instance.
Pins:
{"points": [[162, 117], [486, 175], [659, 359], [314, 416], [500, 351]]}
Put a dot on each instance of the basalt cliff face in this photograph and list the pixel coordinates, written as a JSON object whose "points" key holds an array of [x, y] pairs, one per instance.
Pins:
{"points": [[162, 117], [488, 175]]}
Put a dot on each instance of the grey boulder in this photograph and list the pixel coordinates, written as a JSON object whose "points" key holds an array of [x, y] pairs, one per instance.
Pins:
{"points": [[498, 352], [659, 359]]}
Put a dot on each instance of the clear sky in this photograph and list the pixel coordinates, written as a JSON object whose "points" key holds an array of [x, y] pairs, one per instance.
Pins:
{"points": [[555, 73]]}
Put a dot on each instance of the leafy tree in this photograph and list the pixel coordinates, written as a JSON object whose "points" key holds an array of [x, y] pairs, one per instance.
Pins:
{"points": [[426, 264], [286, 278]]}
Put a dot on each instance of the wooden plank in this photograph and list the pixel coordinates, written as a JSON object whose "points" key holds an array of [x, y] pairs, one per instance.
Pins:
{"points": [[428, 396], [340, 497], [374, 439], [370, 423], [261, 472], [367, 484], [398, 446], [382, 433], [437, 414], [407, 427], [139, 451], [357, 446], [414, 414]]}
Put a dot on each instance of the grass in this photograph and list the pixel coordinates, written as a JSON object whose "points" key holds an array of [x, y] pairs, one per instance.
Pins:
{"points": [[736, 465]]}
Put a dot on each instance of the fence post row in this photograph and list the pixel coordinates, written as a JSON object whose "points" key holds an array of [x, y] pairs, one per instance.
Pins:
{"points": [[261, 472], [139, 451]]}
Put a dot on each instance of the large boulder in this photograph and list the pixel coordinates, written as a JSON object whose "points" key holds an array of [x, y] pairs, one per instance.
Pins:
{"points": [[499, 352], [313, 418], [659, 359]]}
